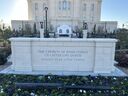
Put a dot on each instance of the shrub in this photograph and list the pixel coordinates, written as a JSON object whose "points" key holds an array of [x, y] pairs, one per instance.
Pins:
{"points": [[122, 59], [3, 59], [118, 85], [4, 53]]}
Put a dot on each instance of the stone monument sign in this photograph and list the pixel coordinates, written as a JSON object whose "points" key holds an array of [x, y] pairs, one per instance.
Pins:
{"points": [[62, 55]]}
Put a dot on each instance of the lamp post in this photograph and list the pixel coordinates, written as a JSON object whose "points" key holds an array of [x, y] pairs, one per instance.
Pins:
{"points": [[46, 10]]}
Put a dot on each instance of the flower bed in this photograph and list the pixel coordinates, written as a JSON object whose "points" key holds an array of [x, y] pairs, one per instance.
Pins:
{"points": [[53, 85]]}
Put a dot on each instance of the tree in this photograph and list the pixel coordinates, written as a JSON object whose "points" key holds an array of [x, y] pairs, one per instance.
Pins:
{"points": [[122, 58], [100, 29], [3, 26], [7, 33], [3, 58], [79, 32], [34, 28], [51, 28], [123, 25], [94, 29], [122, 36], [1, 33], [0, 30], [28, 30]]}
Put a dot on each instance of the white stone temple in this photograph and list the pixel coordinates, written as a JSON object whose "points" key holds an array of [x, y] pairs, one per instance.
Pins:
{"points": [[65, 12]]}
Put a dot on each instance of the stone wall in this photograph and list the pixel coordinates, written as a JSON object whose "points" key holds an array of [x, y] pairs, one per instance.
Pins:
{"points": [[63, 55]]}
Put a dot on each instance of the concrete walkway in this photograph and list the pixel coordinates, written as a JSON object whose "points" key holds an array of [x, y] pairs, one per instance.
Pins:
{"points": [[125, 70], [2, 67], [119, 71]]}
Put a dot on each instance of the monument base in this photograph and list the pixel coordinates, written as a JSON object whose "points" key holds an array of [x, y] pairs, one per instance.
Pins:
{"points": [[116, 72]]}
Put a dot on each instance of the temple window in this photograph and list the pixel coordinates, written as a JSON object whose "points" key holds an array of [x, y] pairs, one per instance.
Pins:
{"points": [[64, 5], [36, 6]]}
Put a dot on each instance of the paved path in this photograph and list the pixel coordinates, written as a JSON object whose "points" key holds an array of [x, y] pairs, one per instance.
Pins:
{"points": [[125, 70], [120, 71], [2, 67]]}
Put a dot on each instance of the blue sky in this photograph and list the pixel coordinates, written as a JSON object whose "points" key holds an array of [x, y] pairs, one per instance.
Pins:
{"points": [[112, 10], [5, 8], [13, 10], [115, 10]]}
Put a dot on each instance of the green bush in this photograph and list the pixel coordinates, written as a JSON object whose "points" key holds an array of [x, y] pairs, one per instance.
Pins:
{"points": [[3, 59], [122, 58], [118, 85], [4, 53]]}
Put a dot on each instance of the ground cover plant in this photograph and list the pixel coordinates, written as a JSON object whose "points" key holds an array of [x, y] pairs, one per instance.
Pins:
{"points": [[53, 85]]}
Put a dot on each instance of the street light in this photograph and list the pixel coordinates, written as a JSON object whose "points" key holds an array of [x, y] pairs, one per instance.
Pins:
{"points": [[46, 10]]}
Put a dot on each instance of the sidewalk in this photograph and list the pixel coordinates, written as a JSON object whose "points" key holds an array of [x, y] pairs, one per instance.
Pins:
{"points": [[2, 67], [125, 70]]}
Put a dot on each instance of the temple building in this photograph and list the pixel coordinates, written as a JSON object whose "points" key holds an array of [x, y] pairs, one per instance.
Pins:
{"points": [[71, 13]]}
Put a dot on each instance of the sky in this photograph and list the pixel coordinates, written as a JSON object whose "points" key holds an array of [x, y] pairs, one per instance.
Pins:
{"points": [[115, 10], [13, 10], [112, 10]]}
